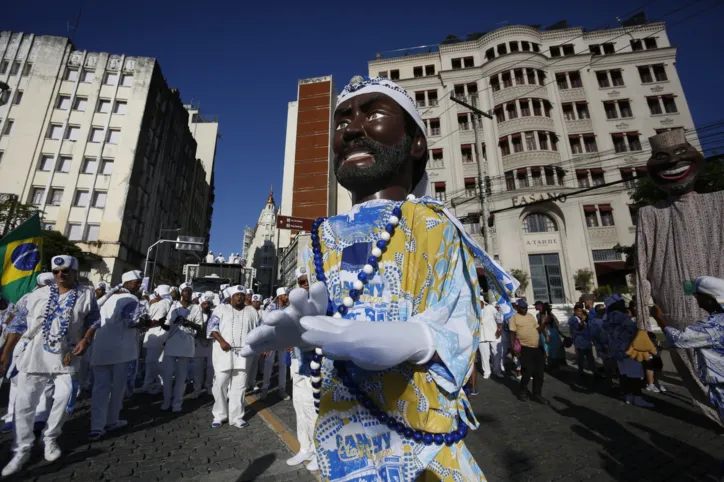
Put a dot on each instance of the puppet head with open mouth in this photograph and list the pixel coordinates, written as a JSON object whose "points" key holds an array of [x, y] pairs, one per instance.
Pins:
{"points": [[674, 163]]}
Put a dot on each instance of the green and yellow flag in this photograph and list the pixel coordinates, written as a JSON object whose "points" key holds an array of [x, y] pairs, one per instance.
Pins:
{"points": [[21, 256]]}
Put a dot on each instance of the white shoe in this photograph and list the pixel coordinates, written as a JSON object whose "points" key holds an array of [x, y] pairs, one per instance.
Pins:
{"points": [[661, 387], [283, 395], [300, 458], [313, 466], [652, 388], [16, 463], [640, 402], [52, 451], [486, 376]]}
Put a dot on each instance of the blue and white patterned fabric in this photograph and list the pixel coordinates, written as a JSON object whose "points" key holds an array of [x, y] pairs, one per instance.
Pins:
{"points": [[616, 335], [19, 323], [581, 338], [706, 338]]}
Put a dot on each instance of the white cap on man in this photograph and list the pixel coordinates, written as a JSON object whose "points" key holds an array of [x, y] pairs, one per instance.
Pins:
{"points": [[256, 298], [281, 291], [131, 276], [101, 285], [249, 291], [184, 286], [45, 279], [207, 297], [153, 296], [223, 287], [162, 290], [299, 272], [232, 290], [64, 261]]}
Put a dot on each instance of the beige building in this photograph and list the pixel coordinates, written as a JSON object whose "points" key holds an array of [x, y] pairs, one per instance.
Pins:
{"points": [[106, 150], [261, 252], [571, 109]]}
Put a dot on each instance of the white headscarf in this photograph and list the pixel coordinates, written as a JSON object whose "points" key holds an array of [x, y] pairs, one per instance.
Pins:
{"points": [[714, 287]]}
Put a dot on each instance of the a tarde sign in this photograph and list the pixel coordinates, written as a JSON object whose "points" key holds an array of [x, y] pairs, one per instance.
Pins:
{"points": [[536, 242], [529, 198], [295, 224]]}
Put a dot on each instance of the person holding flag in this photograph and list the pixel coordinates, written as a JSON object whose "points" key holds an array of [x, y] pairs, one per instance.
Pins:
{"points": [[21, 254]]}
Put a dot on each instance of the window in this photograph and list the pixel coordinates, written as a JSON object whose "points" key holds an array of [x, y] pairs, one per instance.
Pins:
{"points": [[608, 48], [504, 147], [512, 110], [495, 84], [9, 127], [633, 141], [394, 75], [525, 46], [55, 132], [382, 75], [602, 77], [89, 165], [562, 81], [63, 102], [127, 80], [660, 73], [457, 63], [96, 134], [633, 212], [99, 199], [71, 74], [543, 141], [575, 79], [27, 68], [463, 124], [509, 181], [434, 127], [628, 178], [591, 216], [111, 78], [636, 45], [56, 195], [582, 109], [536, 175], [589, 141], [64, 164], [113, 136], [72, 133], [507, 80], [518, 74], [459, 90], [539, 223], [81, 198], [420, 99], [606, 214], [536, 108], [437, 159], [92, 232], [669, 104], [568, 112], [555, 51], [616, 78], [650, 43], [610, 108], [46, 163], [514, 47], [4, 66], [48, 226], [536, 47], [619, 142], [470, 190], [490, 54], [654, 105], [104, 106], [517, 143], [429, 70], [80, 104], [499, 115], [107, 167], [18, 97], [524, 108], [568, 49], [431, 98], [467, 152], [576, 147], [554, 141], [88, 76], [522, 175], [625, 107], [605, 255], [531, 76], [502, 49], [37, 195], [645, 74], [530, 141], [597, 178], [582, 176], [439, 191], [75, 232], [550, 177], [417, 71], [595, 49]]}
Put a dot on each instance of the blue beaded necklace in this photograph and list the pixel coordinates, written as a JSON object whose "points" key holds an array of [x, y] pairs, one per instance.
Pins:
{"points": [[363, 277], [64, 313]]}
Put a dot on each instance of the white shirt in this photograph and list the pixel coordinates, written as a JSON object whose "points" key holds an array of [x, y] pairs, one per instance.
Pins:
{"points": [[154, 336], [220, 260], [116, 341], [34, 358], [179, 340], [209, 258], [488, 326], [233, 326]]}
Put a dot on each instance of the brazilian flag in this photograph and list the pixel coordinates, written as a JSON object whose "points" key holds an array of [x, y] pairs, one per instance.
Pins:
{"points": [[21, 255]]}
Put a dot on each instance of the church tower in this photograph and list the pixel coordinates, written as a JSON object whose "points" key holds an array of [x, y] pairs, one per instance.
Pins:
{"points": [[262, 252]]}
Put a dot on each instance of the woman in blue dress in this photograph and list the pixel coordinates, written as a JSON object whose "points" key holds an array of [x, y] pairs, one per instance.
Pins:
{"points": [[550, 338]]}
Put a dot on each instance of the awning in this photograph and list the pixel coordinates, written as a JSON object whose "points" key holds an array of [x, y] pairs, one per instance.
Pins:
{"points": [[627, 169], [466, 146], [439, 184], [522, 172], [604, 268], [535, 169], [605, 208], [596, 171], [589, 209]]}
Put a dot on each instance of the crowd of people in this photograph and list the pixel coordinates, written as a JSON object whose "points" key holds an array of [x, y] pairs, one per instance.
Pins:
{"points": [[64, 341]]}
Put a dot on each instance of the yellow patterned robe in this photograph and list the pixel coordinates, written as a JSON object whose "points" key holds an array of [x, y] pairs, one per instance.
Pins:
{"points": [[426, 272]]}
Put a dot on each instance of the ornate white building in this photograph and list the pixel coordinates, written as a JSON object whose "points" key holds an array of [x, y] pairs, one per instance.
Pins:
{"points": [[262, 252]]}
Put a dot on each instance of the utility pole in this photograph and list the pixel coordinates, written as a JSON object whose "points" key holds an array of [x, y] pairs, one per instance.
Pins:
{"points": [[482, 168]]}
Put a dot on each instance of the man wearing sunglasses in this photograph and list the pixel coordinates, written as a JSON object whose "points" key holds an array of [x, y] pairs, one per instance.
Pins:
{"points": [[61, 320]]}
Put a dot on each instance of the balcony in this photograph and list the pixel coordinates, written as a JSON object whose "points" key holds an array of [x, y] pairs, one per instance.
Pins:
{"points": [[602, 235], [579, 126], [528, 123], [436, 164], [518, 91], [531, 158], [577, 93]]}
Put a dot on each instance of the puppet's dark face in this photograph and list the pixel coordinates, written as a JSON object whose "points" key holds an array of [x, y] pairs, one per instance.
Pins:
{"points": [[674, 169]]}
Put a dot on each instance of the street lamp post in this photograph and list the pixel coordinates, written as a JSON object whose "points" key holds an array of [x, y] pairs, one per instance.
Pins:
{"points": [[155, 261]]}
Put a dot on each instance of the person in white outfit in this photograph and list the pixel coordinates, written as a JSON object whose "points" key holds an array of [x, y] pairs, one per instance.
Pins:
{"points": [[114, 347], [303, 398], [203, 365], [60, 321], [210, 257], [229, 326], [220, 259], [490, 336], [281, 303], [182, 323], [158, 308]]}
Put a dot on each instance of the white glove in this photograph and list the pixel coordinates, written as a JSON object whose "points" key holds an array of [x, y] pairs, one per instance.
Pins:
{"points": [[281, 328], [370, 345]]}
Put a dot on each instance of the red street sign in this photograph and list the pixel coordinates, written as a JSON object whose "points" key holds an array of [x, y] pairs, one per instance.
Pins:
{"points": [[295, 224]]}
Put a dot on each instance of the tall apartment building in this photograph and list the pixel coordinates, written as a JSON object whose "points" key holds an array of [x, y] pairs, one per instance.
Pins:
{"points": [[309, 188], [571, 109], [102, 146]]}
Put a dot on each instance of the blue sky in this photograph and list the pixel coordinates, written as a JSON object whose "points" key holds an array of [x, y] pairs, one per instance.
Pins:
{"points": [[241, 61]]}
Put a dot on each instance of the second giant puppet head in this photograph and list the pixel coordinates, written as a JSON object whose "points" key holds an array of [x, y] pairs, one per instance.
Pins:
{"points": [[674, 163]]}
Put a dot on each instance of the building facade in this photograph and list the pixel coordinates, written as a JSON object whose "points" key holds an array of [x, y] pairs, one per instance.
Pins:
{"points": [[291, 259], [102, 146], [262, 251], [571, 110]]}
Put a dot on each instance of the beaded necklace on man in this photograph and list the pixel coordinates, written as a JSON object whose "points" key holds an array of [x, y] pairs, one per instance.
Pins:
{"points": [[363, 277], [52, 342]]}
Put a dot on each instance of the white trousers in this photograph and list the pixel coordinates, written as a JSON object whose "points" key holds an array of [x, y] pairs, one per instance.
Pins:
{"points": [[173, 390], [229, 389], [203, 373], [108, 388], [30, 389], [269, 365], [153, 368], [303, 408], [42, 411], [488, 348]]}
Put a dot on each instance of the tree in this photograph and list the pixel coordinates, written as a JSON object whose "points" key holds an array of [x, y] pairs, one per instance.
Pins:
{"points": [[15, 213], [55, 244], [522, 278], [583, 279]]}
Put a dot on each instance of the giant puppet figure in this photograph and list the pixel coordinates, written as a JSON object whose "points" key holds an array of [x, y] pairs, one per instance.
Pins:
{"points": [[397, 275], [678, 240]]}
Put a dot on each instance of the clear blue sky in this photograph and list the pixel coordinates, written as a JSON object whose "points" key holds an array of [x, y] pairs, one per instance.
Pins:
{"points": [[241, 61]]}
